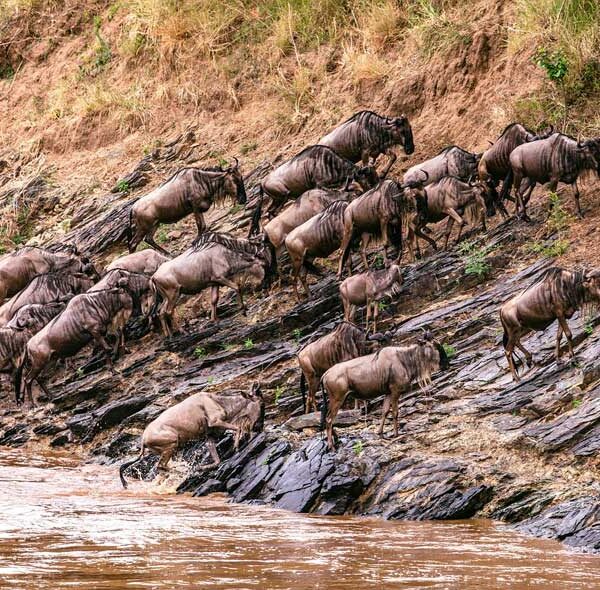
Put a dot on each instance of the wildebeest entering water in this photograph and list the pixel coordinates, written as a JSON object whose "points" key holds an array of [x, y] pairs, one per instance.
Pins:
{"points": [[556, 296], [389, 372], [214, 260], [189, 190], [203, 414], [366, 135]]}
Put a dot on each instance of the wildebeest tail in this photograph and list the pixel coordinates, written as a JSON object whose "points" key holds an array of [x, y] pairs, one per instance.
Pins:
{"points": [[346, 253], [303, 388], [128, 464], [506, 186], [256, 215], [324, 405]]}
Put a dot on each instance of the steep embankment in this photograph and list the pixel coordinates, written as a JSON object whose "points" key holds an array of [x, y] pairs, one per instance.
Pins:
{"points": [[86, 93]]}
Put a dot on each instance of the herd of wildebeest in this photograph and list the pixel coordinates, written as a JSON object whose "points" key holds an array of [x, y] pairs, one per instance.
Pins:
{"points": [[330, 197]]}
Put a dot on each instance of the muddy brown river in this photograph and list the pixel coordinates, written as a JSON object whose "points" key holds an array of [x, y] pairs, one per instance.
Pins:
{"points": [[68, 526]]}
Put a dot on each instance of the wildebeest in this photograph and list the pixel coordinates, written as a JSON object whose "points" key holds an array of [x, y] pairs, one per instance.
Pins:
{"points": [[199, 416], [302, 209], [558, 158], [189, 190], [366, 135], [389, 372], [87, 317], [137, 283], [380, 213], [214, 260], [346, 342], [494, 164], [145, 261], [451, 161], [28, 320], [448, 198], [18, 268], [46, 288], [317, 166], [369, 288], [556, 296], [318, 237]]}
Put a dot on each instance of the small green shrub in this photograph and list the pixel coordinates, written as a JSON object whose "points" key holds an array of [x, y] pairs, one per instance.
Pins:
{"points": [[227, 347], [246, 148], [236, 208], [588, 327], [248, 344], [123, 186], [358, 447], [210, 380], [278, 393], [297, 334], [577, 403], [476, 263], [382, 305], [449, 350], [161, 236], [200, 352], [554, 63]]}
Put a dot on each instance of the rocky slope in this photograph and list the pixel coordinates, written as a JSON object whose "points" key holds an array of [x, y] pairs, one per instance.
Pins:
{"points": [[473, 444]]}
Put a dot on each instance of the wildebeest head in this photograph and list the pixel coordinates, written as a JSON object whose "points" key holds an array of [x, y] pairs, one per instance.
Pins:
{"points": [[433, 348], [234, 183], [401, 131], [591, 284], [366, 176], [487, 193], [591, 150]]}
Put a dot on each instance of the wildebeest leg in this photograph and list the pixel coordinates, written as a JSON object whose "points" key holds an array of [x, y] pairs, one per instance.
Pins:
{"points": [[200, 223], [335, 404], [368, 314], [508, 351], [238, 289], [577, 203], [419, 233], [394, 398], [313, 385], [375, 305], [449, 225], [392, 158], [528, 355], [565, 327], [384, 413], [212, 449], [214, 300], [520, 204], [304, 281], [150, 241], [559, 333], [364, 242]]}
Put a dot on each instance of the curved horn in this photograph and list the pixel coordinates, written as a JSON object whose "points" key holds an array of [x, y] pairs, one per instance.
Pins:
{"points": [[426, 175], [551, 129], [237, 164], [348, 183]]}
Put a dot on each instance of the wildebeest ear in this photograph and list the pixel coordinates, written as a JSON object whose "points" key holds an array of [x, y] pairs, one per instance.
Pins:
{"points": [[122, 283]]}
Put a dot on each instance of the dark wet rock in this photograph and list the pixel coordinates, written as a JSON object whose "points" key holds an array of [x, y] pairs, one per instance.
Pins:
{"points": [[144, 416], [301, 477], [435, 489], [15, 436], [313, 420], [576, 522], [524, 503], [111, 414], [49, 428], [210, 486], [568, 427], [61, 440]]}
